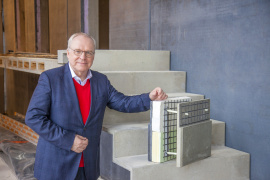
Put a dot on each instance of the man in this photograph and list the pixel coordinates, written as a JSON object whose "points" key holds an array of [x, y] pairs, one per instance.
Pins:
{"points": [[67, 110]]}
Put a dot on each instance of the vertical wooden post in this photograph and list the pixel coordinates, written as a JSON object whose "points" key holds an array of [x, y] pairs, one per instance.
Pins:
{"points": [[9, 26], [42, 16], [57, 25], [20, 22], [93, 20], [74, 17], [103, 17], [1, 29], [30, 26]]}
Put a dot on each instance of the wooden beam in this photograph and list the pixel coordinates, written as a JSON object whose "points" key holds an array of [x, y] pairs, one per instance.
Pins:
{"points": [[74, 17], [42, 16], [9, 26], [1, 29], [30, 26], [20, 22], [103, 18], [58, 25], [93, 20]]}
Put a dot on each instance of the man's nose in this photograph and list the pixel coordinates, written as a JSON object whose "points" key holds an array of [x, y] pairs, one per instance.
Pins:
{"points": [[83, 55]]}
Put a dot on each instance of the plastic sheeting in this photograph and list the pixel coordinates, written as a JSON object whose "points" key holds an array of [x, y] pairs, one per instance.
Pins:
{"points": [[20, 153]]}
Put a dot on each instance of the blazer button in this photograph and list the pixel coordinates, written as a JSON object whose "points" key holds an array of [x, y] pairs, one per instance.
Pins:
{"points": [[84, 129]]}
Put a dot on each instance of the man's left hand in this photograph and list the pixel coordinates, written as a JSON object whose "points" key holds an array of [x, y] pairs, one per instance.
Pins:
{"points": [[158, 94]]}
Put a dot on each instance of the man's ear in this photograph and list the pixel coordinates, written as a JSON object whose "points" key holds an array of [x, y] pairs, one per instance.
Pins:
{"points": [[67, 53]]}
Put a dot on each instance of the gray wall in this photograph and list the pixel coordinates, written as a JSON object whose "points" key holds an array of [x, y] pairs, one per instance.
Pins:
{"points": [[129, 24], [224, 46]]}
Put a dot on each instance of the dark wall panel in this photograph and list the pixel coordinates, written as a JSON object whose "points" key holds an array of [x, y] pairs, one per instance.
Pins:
{"points": [[224, 46], [20, 87], [129, 24]]}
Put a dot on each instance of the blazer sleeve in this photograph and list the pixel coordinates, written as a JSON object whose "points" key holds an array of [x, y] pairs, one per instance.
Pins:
{"points": [[118, 101], [38, 113]]}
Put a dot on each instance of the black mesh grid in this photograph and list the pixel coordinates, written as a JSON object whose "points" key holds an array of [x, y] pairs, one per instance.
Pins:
{"points": [[170, 128], [194, 112]]}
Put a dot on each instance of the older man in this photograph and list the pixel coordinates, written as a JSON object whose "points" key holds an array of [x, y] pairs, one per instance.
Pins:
{"points": [[67, 110]]}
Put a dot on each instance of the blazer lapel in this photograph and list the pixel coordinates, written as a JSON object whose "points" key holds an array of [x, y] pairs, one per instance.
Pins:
{"points": [[73, 95], [93, 86]]}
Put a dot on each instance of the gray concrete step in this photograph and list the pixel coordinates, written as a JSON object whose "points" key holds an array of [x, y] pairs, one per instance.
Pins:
{"points": [[223, 164], [131, 139], [127, 60], [137, 82], [131, 60], [111, 116]]}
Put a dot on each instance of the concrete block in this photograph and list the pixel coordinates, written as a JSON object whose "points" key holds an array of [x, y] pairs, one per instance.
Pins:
{"points": [[62, 56], [218, 133], [223, 164], [131, 60], [30, 65], [193, 142], [128, 139], [137, 82], [108, 169], [126, 60]]}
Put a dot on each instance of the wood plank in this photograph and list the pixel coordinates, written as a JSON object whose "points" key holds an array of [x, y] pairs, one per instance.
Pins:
{"points": [[74, 17], [9, 26], [20, 22], [103, 24], [30, 26], [58, 25], [1, 29], [93, 27], [42, 15], [19, 90], [2, 96]]}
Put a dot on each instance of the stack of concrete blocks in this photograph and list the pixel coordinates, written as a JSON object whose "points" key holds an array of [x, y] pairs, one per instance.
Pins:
{"points": [[124, 140]]}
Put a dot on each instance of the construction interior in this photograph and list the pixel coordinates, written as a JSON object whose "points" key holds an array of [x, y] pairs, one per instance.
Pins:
{"points": [[188, 48]]}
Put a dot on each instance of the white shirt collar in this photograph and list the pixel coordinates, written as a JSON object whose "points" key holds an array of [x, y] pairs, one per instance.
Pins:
{"points": [[73, 75]]}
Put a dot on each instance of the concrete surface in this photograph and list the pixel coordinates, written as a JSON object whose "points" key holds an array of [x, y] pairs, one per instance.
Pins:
{"points": [[223, 164], [126, 60], [136, 82], [218, 133], [5, 172], [193, 142]]}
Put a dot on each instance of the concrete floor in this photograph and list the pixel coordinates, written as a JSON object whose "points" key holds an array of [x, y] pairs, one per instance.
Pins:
{"points": [[5, 172]]}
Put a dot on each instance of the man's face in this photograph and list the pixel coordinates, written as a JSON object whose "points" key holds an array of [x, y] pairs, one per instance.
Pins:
{"points": [[81, 64]]}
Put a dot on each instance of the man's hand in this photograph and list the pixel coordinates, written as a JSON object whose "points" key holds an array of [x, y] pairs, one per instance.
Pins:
{"points": [[79, 144], [158, 94]]}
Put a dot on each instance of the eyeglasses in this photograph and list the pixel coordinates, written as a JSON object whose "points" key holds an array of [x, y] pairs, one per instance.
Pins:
{"points": [[79, 52]]}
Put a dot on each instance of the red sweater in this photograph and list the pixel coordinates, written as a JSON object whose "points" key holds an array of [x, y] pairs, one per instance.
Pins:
{"points": [[84, 97]]}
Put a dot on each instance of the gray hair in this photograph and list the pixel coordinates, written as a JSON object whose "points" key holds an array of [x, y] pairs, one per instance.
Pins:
{"points": [[80, 34]]}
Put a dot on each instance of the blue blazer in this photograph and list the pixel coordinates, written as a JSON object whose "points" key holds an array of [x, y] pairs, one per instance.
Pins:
{"points": [[54, 114]]}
